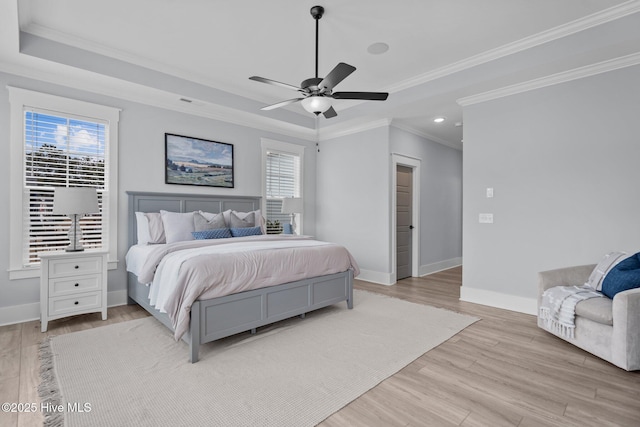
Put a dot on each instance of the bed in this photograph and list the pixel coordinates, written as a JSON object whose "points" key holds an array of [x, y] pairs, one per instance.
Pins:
{"points": [[210, 319]]}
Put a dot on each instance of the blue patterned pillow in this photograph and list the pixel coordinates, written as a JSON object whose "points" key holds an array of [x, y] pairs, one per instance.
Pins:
{"points": [[624, 276], [246, 231], [216, 233]]}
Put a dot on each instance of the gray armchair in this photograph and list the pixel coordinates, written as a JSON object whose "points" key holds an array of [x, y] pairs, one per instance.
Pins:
{"points": [[609, 329]]}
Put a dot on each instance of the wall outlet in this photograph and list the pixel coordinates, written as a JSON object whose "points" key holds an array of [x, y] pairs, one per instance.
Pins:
{"points": [[485, 218]]}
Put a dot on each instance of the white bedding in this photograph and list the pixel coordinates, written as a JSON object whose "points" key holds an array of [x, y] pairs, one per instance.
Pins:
{"points": [[182, 272], [136, 257]]}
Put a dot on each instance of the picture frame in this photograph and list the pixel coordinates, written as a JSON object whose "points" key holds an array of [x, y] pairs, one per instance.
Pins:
{"points": [[197, 161]]}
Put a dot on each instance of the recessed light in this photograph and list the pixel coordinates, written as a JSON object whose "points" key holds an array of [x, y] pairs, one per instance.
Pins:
{"points": [[439, 119], [378, 48]]}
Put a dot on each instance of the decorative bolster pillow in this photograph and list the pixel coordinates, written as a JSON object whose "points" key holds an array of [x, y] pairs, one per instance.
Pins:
{"points": [[246, 231], [216, 233]]}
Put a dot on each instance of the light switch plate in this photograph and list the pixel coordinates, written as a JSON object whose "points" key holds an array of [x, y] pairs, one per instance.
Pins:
{"points": [[485, 218], [489, 192]]}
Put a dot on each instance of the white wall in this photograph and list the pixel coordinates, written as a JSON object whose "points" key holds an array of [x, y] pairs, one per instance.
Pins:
{"points": [[563, 161], [440, 198], [353, 199], [141, 168]]}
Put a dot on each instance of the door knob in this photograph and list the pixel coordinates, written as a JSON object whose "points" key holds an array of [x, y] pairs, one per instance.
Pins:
{"points": [[411, 227]]}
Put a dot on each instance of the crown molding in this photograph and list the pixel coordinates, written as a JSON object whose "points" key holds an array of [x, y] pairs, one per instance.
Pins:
{"points": [[337, 131], [581, 24], [407, 128], [553, 79]]}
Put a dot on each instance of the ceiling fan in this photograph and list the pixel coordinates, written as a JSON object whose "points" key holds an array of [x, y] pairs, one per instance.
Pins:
{"points": [[316, 93]]}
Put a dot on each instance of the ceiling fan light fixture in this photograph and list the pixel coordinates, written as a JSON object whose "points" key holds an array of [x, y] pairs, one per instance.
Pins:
{"points": [[316, 104]]}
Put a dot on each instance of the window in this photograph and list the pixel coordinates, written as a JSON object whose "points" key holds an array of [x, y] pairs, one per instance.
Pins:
{"points": [[282, 179], [58, 142]]}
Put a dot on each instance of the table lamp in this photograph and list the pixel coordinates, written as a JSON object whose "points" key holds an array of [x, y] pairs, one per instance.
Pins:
{"points": [[292, 205], [75, 202]]}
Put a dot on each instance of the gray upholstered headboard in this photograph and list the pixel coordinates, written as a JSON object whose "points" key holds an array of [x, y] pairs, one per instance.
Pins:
{"points": [[154, 202]]}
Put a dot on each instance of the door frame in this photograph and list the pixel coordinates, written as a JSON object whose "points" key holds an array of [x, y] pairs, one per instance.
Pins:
{"points": [[414, 164]]}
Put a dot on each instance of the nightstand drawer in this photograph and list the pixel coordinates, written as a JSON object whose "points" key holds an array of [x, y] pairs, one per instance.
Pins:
{"points": [[79, 303], [77, 266], [74, 285]]}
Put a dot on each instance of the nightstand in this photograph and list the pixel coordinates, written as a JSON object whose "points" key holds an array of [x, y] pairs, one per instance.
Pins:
{"points": [[72, 283]]}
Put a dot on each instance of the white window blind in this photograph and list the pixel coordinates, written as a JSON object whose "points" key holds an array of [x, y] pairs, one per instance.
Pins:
{"points": [[282, 181], [61, 150]]}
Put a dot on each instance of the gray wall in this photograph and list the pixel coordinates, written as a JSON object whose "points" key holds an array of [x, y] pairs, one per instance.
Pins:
{"points": [[440, 198], [141, 160], [354, 198], [563, 161]]}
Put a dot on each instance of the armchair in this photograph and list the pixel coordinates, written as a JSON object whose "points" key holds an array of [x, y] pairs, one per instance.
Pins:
{"points": [[609, 329]]}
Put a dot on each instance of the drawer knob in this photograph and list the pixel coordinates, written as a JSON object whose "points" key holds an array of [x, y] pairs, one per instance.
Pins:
{"points": [[76, 285], [76, 303], [76, 267]]}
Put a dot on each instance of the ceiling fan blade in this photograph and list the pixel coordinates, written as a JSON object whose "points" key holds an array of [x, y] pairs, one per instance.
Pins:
{"points": [[330, 113], [273, 82], [335, 76], [367, 96], [281, 104]]}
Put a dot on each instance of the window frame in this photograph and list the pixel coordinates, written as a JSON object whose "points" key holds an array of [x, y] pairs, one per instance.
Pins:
{"points": [[21, 99], [270, 145]]}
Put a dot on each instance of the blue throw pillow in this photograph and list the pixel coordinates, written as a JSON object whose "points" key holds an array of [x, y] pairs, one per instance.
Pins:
{"points": [[216, 233], [246, 231], [624, 276]]}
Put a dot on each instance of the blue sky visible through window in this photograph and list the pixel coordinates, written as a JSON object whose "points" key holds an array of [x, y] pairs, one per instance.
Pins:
{"points": [[76, 137]]}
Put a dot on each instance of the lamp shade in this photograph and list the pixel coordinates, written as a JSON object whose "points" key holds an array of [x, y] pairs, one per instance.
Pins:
{"points": [[316, 104], [292, 205], [75, 200]]}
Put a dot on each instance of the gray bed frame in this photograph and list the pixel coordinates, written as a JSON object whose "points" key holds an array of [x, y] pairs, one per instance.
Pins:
{"points": [[221, 317]]}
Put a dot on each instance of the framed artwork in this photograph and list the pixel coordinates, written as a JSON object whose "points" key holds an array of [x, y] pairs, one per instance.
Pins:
{"points": [[195, 161]]}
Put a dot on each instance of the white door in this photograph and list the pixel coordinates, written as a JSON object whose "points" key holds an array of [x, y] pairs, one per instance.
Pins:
{"points": [[404, 227]]}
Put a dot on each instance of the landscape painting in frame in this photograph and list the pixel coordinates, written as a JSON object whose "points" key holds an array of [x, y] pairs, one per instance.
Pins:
{"points": [[195, 161]]}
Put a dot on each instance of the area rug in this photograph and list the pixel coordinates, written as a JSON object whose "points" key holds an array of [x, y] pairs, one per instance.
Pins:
{"points": [[294, 373]]}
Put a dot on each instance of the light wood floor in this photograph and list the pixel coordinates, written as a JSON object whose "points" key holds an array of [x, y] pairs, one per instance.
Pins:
{"points": [[501, 371]]}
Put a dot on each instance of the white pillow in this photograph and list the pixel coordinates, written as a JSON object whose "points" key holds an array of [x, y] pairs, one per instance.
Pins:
{"points": [[156, 228], [177, 226], [149, 228], [142, 227]]}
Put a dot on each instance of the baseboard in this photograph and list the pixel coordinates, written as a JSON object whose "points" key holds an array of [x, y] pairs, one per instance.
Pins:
{"points": [[27, 312], [499, 300], [375, 277], [439, 266], [19, 313], [387, 279]]}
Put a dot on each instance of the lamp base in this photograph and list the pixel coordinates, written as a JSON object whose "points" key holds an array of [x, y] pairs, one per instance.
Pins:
{"points": [[293, 224], [75, 235]]}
